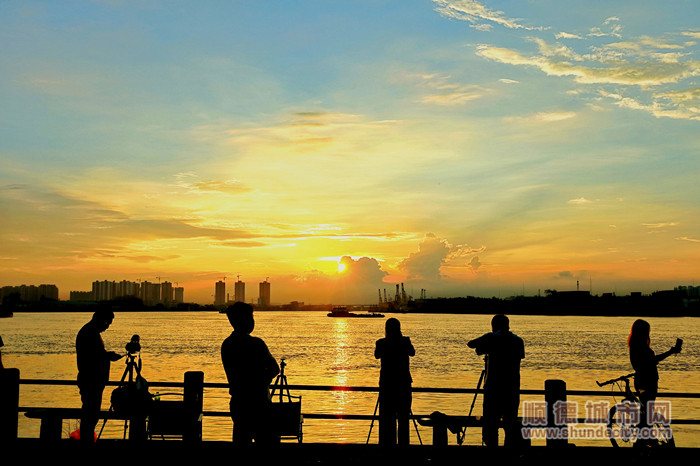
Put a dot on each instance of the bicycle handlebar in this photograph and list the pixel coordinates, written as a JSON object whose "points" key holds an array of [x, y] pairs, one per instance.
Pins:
{"points": [[608, 382]]}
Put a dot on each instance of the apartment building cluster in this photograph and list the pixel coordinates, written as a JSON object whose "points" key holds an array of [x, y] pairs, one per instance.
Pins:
{"points": [[30, 293], [222, 298], [150, 293]]}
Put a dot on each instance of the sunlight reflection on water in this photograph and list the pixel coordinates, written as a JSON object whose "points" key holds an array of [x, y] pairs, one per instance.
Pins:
{"points": [[331, 351]]}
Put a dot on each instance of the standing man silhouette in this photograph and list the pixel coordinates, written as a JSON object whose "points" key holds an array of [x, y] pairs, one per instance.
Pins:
{"points": [[395, 393], [503, 350], [249, 368], [93, 370]]}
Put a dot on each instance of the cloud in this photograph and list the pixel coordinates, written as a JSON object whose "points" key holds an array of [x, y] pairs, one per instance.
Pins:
{"points": [[580, 201], [434, 252], [308, 131], [566, 35], [545, 117], [687, 238], [661, 224], [426, 263], [478, 15], [363, 270], [210, 186], [644, 68], [443, 91], [610, 27], [676, 104], [639, 73], [474, 264]]}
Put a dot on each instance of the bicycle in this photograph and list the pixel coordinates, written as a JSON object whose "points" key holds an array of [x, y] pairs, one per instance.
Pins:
{"points": [[624, 434]]}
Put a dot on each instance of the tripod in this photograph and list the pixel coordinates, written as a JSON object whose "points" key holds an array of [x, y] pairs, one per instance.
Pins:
{"points": [[463, 432], [131, 367], [281, 383], [287, 418], [376, 407]]}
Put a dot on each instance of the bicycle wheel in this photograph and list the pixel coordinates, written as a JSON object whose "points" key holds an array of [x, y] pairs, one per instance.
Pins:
{"points": [[620, 434]]}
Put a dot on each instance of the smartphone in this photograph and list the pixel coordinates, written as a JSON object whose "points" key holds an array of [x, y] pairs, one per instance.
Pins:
{"points": [[679, 343]]}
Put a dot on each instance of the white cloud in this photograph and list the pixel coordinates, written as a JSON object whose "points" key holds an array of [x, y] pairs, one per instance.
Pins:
{"points": [[566, 35], [478, 15], [580, 201], [610, 27]]}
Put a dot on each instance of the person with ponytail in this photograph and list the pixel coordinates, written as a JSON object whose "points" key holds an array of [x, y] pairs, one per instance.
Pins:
{"points": [[644, 362]]}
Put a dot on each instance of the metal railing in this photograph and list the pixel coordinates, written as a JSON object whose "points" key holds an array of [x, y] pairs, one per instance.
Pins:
{"points": [[366, 417]]}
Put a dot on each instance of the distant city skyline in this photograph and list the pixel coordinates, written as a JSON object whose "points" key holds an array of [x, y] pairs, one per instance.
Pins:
{"points": [[462, 147]]}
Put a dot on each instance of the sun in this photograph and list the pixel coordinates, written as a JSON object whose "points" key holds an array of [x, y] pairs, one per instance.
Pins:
{"points": [[341, 267]]}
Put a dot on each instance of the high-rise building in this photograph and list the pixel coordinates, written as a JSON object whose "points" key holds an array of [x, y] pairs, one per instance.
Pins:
{"points": [[239, 291], [150, 293], [220, 293], [179, 294], [166, 293], [264, 297], [127, 288], [103, 291]]}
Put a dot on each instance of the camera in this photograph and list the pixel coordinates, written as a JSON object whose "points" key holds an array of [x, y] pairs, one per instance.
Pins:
{"points": [[679, 345], [134, 346]]}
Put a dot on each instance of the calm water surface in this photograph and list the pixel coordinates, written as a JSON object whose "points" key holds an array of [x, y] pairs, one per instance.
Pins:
{"points": [[328, 351]]}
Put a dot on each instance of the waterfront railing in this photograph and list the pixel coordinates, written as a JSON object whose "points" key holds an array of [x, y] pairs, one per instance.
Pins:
{"points": [[10, 408]]}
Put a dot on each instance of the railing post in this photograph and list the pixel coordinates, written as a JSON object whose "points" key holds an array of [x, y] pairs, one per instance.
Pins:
{"points": [[554, 396], [9, 404], [193, 398]]}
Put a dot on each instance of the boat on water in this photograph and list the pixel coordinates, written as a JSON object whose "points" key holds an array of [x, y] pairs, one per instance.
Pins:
{"points": [[342, 311]]}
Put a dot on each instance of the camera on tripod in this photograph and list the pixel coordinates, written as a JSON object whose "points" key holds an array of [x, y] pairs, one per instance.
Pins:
{"points": [[134, 346]]}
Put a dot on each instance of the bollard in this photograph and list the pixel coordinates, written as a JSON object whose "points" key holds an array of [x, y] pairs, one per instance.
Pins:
{"points": [[555, 391], [9, 404], [193, 398]]}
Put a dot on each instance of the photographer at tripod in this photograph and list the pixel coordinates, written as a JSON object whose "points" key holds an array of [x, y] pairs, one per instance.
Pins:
{"points": [[395, 393], [93, 370], [503, 350]]}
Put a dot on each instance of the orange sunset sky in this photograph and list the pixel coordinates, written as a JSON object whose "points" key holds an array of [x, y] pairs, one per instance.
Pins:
{"points": [[463, 147]]}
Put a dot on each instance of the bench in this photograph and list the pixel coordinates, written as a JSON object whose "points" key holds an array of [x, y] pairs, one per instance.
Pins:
{"points": [[52, 421], [441, 422]]}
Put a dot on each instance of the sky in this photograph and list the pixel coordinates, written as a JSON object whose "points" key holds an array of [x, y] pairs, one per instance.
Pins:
{"points": [[337, 149]]}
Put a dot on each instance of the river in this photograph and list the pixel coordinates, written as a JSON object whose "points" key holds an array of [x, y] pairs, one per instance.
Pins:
{"points": [[337, 351]]}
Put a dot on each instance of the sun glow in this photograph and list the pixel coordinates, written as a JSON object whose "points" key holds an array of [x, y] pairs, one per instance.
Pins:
{"points": [[341, 267]]}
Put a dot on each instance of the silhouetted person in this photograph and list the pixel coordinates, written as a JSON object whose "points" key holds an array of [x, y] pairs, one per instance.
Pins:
{"points": [[1, 345], [249, 368], [503, 350], [93, 370], [395, 394], [644, 362]]}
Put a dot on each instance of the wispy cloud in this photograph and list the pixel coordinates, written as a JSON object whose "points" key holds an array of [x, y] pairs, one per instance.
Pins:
{"points": [[441, 89], [478, 15], [580, 201], [610, 27], [661, 224]]}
